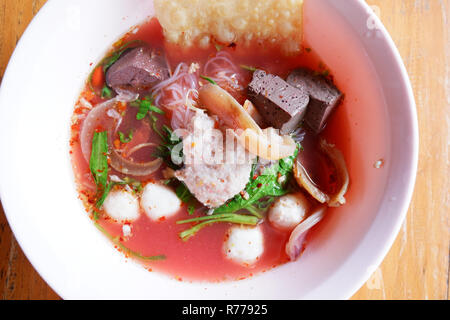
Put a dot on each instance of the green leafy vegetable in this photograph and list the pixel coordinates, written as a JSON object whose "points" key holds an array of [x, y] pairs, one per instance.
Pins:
{"points": [[267, 185], [117, 242], [186, 197], [124, 139], [208, 79], [191, 210], [260, 192], [183, 193], [170, 144], [101, 200], [98, 163], [145, 106], [216, 218], [106, 92]]}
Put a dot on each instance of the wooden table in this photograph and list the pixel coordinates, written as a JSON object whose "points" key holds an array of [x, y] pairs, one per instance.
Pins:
{"points": [[417, 267]]}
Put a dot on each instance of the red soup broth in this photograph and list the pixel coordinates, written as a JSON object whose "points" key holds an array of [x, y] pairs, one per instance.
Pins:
{"points": [[202, 257]]}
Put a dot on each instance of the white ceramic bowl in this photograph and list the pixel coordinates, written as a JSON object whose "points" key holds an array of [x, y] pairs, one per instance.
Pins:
{"points": [[39, 88]]}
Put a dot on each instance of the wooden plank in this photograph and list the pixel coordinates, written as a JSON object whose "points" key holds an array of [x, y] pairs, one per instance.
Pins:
{"points": [[18, 279], [417, 267]]}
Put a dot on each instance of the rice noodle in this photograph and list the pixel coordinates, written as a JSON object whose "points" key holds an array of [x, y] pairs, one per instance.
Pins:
{"points": [[223, 71], [179, 93], [181, 116], [177, 90]]}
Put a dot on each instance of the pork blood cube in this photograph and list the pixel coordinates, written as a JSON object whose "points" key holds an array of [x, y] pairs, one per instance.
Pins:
{"points": [[140, 68], [282, 105], [323, 94]]}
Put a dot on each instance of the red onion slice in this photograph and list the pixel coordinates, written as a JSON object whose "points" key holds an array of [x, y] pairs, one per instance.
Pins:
{"points": [[128, 167], [95, 118], [139, 147], [295, 245], [98, 117]]}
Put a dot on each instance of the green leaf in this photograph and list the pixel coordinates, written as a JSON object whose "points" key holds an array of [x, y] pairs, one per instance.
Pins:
{"points": [[101, 200], [144, 108], [106, 92], [207, 220], [98, 163], [156, 109], [259, 194], [208, 79], [183, 193], [268, 184], [169, 141], [191, 210], [124, 139]]}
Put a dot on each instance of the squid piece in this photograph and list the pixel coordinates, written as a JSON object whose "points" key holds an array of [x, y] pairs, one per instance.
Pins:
{"points": [[254, 113], [267, 143], [304, 180], [222, 104]]}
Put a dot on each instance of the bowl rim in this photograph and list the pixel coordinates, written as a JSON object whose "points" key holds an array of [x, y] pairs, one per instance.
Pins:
{"points": [[410, 117]]}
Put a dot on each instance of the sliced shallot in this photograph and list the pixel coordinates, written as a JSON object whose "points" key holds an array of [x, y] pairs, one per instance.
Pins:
{"points": [[139, 147], [296, 244], [102, 116]]}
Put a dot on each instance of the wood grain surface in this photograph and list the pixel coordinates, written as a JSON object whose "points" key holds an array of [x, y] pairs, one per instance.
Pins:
{"points": [[417, 266]]}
